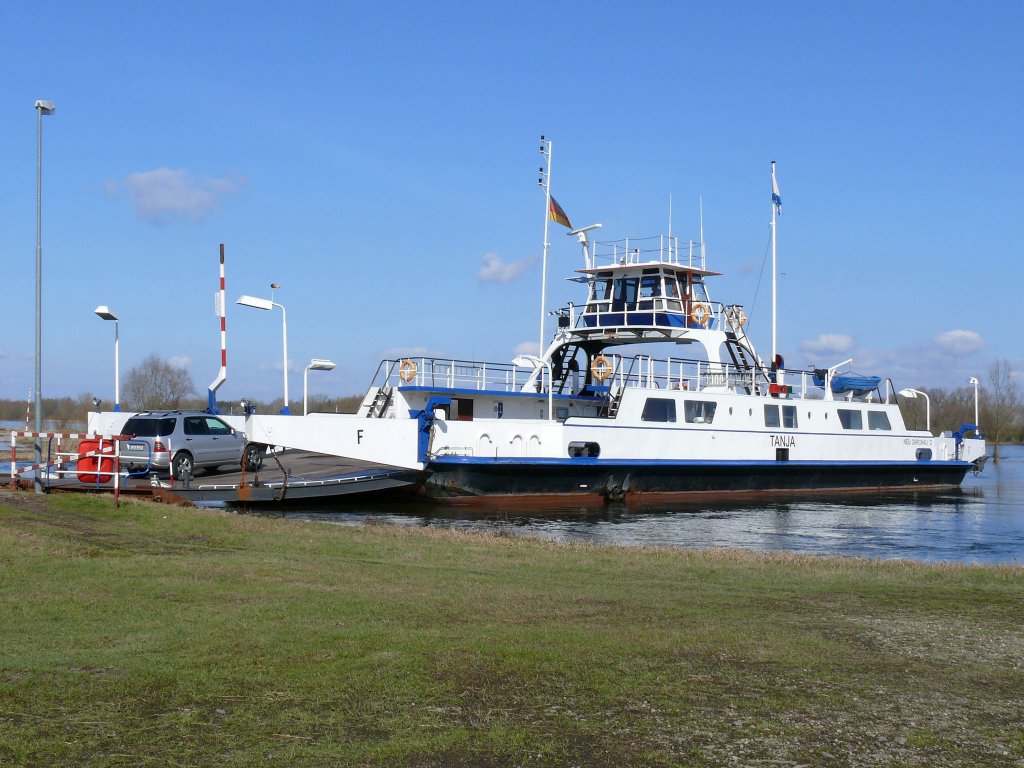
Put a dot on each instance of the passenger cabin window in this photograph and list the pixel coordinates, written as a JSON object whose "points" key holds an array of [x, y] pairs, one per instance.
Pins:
{"points": [[789, 416], [659, 409], [878, 420], [771, 417], [850, 419], [699, 411]]}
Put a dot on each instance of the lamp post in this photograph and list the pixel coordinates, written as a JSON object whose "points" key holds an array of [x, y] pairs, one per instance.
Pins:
{"points": [[316, 364], [267, 305], [42, 108], [104, 313], [912, 394], [974, 381]]}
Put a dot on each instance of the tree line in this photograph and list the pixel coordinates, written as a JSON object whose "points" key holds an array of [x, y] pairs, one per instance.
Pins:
{"points": [[158, 385]]}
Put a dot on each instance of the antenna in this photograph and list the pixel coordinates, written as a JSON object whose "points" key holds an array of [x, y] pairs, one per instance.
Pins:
{"points": [[670, 217], [703, 250]]}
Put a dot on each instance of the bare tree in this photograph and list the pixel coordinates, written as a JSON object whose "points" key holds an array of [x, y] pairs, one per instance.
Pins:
{"points": [[1001, 403], [154, 384]]}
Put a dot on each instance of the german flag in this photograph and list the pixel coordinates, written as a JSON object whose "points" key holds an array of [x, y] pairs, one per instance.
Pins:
{"points": [[557, 214]]}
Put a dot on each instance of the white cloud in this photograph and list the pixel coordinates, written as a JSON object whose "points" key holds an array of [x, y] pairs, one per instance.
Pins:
{"points": [[525, 348], [166, 194], [496, 270], [827, 345], [277, 365], [959, 342], [179, 361]]}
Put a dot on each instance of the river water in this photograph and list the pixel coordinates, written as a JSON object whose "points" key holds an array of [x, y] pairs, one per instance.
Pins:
{"points": [[982, 522]]}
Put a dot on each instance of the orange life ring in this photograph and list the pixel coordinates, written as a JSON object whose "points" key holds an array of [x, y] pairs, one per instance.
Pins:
{"points": [[407, 370], [701, 314], [601, 368]]}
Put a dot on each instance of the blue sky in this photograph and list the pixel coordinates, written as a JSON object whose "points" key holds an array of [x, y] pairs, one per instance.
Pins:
{"points": [[379, 162]]}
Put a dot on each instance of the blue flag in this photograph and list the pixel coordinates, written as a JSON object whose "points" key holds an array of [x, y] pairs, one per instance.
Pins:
{"points": [[776, 197]]}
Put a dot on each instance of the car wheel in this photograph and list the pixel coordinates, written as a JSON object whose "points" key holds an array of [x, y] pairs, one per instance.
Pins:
{"points": [[183, 465], [252, 457]]}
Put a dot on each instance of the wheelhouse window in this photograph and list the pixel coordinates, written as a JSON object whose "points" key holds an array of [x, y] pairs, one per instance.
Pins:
{"points": [[650, 287], [600, 294], [659, 409], [851, 419], [699, 411], [771, 416], [625, 293], [878, 420]]}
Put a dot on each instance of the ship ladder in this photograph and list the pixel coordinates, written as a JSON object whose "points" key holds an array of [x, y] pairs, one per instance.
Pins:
{"points": [[380, 403], [613, 405], [564, 374]]}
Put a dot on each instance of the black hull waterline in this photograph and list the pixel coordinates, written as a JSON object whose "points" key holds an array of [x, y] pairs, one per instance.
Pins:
{"points": [[450, 480]]}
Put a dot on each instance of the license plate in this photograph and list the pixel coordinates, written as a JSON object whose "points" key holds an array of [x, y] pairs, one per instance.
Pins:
{"points": [[131, 447]]}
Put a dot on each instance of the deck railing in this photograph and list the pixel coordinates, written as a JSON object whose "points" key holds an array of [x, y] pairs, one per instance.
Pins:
{"points": [[640, 250], [639, 371]]}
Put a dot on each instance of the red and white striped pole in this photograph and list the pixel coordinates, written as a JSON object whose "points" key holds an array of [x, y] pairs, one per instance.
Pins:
{"points": [[222, 310]]}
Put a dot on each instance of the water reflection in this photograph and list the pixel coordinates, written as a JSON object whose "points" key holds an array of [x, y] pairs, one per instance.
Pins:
{"points": [[982, 522]]}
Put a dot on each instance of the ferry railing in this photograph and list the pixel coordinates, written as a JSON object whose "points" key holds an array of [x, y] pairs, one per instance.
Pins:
{"points": [[639, 371], [450, 373], [658, 248], [718, 317], [646, 372]]}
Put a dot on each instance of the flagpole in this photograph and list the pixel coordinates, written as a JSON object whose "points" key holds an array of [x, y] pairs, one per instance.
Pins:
{"points": [[775, 186], [545, 180]]}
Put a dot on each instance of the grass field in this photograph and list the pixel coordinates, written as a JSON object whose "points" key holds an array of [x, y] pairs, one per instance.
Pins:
{"points": [[151, 635]]}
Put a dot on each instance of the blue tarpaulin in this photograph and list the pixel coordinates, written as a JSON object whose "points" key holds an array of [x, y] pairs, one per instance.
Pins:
{"points": [[854, 382]]}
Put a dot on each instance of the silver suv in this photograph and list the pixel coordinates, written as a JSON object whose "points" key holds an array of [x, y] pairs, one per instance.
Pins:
{"points": [[181, 440]]}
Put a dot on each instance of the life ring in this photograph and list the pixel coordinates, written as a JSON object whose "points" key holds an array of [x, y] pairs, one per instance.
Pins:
{"points": [[737, 317], [701, 314], [601, 368], [407, 370]]}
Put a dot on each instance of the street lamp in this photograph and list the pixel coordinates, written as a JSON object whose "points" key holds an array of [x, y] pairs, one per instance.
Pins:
{"points": [[316, 364], [912, 394], [42, 108], [974, 381], [267, 305], [103, 312]]}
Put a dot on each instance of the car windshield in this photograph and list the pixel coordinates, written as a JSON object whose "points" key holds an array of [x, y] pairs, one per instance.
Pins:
{"points": [[143, 427]]}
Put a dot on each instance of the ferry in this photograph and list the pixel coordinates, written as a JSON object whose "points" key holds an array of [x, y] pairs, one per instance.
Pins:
{"points": [[597, 414]]}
